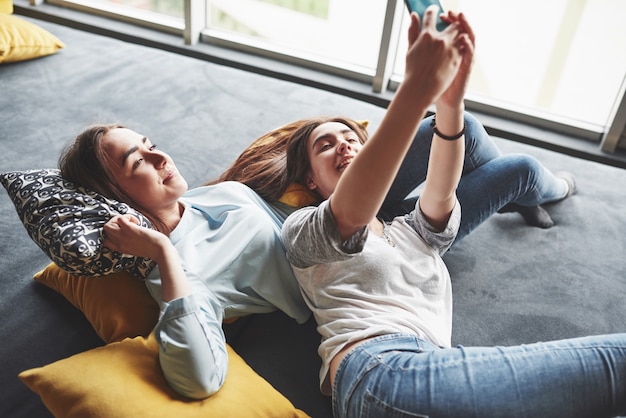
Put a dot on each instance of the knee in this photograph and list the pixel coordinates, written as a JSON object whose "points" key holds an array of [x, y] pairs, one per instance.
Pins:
{"points": [[473, 127], [524, 163], [526, 169], [478, 143]]}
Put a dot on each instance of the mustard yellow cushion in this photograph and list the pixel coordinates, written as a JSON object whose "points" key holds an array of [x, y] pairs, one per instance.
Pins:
{"points": [[22, 40], [117, 305], [123, 379], [297, 195], [6, 6]]}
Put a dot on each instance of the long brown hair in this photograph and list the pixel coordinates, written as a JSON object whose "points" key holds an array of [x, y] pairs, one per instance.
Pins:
{"points": [[264, 164], [298, 163], [84, 163]]}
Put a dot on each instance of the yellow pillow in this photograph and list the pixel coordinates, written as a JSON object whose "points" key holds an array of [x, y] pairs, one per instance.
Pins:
{"points": [[117, 306], [124, 380], [6, 6], [297, 196], [21, 40]]}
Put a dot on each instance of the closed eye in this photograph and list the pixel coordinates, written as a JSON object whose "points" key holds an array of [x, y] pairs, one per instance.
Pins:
{"points": [[141, 160]]}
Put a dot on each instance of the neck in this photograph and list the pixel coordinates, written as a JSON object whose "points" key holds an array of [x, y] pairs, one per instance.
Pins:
{"points": [[170, 217], [376, 226]]}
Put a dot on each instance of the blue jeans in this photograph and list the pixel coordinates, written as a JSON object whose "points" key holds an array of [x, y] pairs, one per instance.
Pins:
{"points": [[490, 180], [405, 376]]}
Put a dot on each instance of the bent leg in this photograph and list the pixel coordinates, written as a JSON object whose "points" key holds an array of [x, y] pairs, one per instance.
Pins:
{"points": [[515, 178], [479, 149], [489, 181]]}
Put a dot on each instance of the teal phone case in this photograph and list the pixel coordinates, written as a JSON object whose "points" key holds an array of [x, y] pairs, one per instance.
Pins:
{"points": [[420, 6]]}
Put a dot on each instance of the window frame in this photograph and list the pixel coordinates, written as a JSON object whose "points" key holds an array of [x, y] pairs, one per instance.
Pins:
{"points": [[608, 139]]}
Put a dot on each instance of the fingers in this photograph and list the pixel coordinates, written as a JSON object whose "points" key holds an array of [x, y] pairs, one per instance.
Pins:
{"points": [[466, 27], [429, 22], [430, 17], [465, 44], [127, 220], [110, 232], [460, 21], [443, 58], [414, 28], [116, 226]]}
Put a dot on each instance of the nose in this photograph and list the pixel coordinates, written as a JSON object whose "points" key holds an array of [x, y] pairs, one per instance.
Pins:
{"points": [[158, 158], [343, 146]]}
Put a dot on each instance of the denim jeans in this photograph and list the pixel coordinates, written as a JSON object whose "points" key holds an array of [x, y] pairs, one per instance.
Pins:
{"points": [[489, 181], [405, 376]]}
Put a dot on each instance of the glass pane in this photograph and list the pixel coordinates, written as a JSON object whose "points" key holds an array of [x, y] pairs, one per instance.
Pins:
{"points": [[341, 31], [171, 8], [563, 57]]}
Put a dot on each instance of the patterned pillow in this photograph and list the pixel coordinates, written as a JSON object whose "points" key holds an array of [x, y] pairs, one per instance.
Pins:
{"points": [[66, 222]]}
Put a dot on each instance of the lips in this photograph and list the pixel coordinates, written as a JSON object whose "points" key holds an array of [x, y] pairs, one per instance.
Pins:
{"points": [[344, 163], [170, 174]]}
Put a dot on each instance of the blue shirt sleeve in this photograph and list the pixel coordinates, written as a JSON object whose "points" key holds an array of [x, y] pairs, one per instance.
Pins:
{"points": [[192, 346]]}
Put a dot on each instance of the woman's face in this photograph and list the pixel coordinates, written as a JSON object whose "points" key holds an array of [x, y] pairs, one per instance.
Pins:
{"points": [[331, 148], [145, 174]]}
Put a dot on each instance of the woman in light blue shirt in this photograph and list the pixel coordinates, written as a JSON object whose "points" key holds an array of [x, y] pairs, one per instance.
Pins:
{"points": [[218, 250]]}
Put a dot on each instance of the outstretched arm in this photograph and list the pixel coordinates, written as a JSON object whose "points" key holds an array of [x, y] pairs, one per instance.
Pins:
{"points": [[432, 61], [445, 165]]}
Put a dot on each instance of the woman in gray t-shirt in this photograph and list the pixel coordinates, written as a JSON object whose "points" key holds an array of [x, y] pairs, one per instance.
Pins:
{"points": [[381, 293]]}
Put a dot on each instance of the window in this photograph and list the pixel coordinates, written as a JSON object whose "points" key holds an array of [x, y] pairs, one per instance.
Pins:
{"points": [[172, 8], [563, 59], [344, 34], [165, 15], [557, 64]]}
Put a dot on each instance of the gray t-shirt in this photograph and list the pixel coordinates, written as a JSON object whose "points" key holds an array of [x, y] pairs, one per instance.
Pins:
{"points": [[370, 285]]}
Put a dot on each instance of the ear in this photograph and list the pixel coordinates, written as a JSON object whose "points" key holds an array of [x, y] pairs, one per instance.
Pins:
{"points": [[310, 183]]}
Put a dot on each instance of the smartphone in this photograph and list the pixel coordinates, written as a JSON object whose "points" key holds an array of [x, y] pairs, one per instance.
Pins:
{"points": [[420, 6]]}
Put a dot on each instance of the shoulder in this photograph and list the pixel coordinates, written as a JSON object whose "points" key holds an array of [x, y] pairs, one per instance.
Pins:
{"points": [[308, 218], [311, 237]]}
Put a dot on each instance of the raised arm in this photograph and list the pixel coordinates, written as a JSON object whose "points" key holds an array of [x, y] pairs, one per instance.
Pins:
{"points": [[446, 156], [124, 235], [432, 61]]}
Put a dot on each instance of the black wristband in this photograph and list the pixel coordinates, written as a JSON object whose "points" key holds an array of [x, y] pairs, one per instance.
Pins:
{"points": [[433, 125]]}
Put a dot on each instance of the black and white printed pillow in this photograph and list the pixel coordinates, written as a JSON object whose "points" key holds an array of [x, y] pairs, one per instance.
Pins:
{"points": [[66, 222]]}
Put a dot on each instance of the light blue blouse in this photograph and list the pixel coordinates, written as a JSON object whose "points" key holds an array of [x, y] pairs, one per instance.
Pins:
{"points": [[229, 243]]}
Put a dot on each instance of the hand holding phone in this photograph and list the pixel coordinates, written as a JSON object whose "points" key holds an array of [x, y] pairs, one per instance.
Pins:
{"points": [[420, 6]]}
